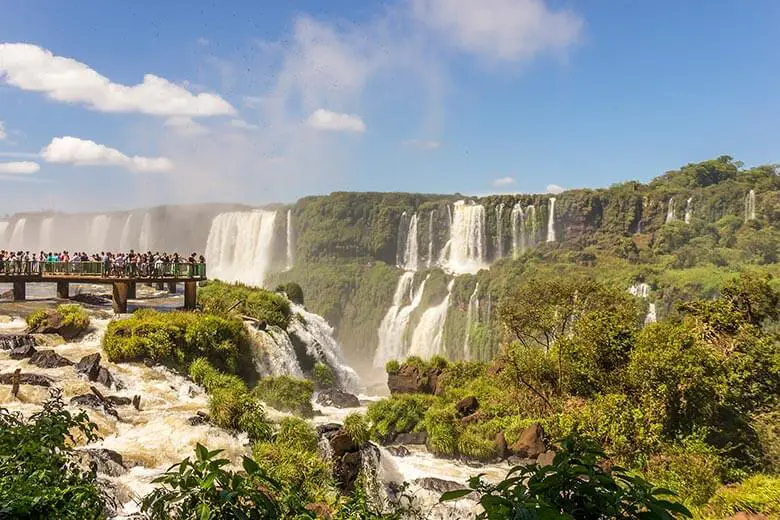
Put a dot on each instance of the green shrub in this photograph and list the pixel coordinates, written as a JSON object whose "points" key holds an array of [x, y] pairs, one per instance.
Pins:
{"points": [[217, 297], [286, 394], [74, 315], [323, 376], [397, 414], [759, 494], [392, 367], [298, 434], [294, 292], [303, 473], [36, 318], [471, 444], [356, 426]]}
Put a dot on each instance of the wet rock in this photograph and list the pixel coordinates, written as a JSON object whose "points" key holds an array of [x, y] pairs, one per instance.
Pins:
{"points": [[398, 451], [501, 446], [89, 366], [54, 323], [437, 485], [116, 400], [105, 378], [546, 458], [341, 443], [49, 359], [328, 430], [411, 438], [467, 406], [88, 400], [27, 379], [519, 461], [411, 380], [23, 351], [90, 299], [346, 470], [104, 461], [338, 399], [531, 442], [14, 341], [198, 419]]}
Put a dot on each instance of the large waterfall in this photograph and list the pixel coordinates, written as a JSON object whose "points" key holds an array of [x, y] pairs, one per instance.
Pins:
{"points": [[16, 242], [393, 342], [551, 221], [473, 310], [688, 210], [530, 216], [46, 234], [274, 353], [750, 206], [290, 241], [500, 231], [428, 335], [670, 213], [145, 238], [125, 243], [238, 248], [3, 228], [409, 257], [467, 238], [518, 230], [98, 233], [430, 237]]}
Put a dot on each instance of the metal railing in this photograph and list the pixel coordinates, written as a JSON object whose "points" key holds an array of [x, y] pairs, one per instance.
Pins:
{"points": [[102, 269]]}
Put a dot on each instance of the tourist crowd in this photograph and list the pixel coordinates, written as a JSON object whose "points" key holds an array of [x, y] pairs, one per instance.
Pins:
{"points": [[132, 264]]}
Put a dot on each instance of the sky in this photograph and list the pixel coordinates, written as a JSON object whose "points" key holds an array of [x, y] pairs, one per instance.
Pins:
{"points": [[113, 105]]}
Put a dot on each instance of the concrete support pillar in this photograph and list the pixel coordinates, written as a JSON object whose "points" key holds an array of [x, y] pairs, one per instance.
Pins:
{"points": [[119, 300], [20, 291], [63, 290], [190, 295], [172, 287], [131, 291], [160, 286]]}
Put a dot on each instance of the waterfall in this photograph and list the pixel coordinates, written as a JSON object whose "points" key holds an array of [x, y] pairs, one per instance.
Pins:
{"points": [[16, 242], [750, 206], [46, 235], [430, 237], [551, 221], [145, 238], [409, 258], [124, 240], [273, 352], [290, 244], [651, 314], [3, 227], [317, 334], [518, 230], [500, 231], [642, 290], [467, 238], [473, 310], [531, 216], [98, 233], [238, 248], [428, 335], [688, 210], [670, 216], [392, 331], [400, 245]]}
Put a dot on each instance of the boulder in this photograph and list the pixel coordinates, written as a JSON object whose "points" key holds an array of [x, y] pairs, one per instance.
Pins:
{"points": [[89, 366], [116, 400], [398, 451], [14, 341], [104, 461], [476, 416], [49, 359], [22, 351], [411, 380], [328, 430], [105, 378], [411, 438], [54, 324], [467, 406], [501, 446], [346, 470], [546, 458], [341, 443], [88, 400], [27, 379], [531, 442], [438, 485], [198, 419], [337, 398]]}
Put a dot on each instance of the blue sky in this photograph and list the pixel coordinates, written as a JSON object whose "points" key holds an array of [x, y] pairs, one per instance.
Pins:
{"points": [[108, 105]]}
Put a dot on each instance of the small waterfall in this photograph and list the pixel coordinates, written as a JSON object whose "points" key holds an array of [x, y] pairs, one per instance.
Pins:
{"points": [[317, 334], [290, 242], [125, 243], [410, 256], [651, 314], [3, 227], [750, 206], [642, 290], [145, 238], [238, 248], [688, 210], [400, 246], [473, 310], [530, 215], [428, 335], [16, 242], [273, 352], [392, 331], [46, 235], [430, 238], [98, 233], [670, 214], [551, 221], [467, 238], [518, 230], [499, 231]]}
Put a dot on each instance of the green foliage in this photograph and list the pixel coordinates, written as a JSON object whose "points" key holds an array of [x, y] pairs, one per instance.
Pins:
{"points": [[574, 486], [397, 414], [305, 475], [293, 291], [759, 494], [286, 394], [298, 434], [39, 473], [323, 376], [392, 367], [36, 318], [71, 314], [356, 426], [218, 297]]}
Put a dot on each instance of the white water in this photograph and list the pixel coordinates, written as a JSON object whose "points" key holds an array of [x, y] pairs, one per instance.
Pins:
{"points": [[46, 235], [393, 343], [750, 206], [410, 257], [471, 312], [145, 237], [430, 237], [3, 227], [688, 210], [124, 240], [467, 239], [427, 336], [518, 230], [238, 248], [15, 243], [642, 290], [290, 242], [499, 230], [531, 216], [551, 221], [98, 233], [670, 213], [273, 352], [651, 314]]}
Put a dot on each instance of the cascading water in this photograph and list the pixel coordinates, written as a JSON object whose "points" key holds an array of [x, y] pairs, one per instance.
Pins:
{"points": [[273, 352], [16, 242], [642, 290], [670, 213], [98, 232], [409, 259], [473, 310], [145, 238], [499, 231], [392, 331], [750, 206], [551, 221], [290, 242], [400, 247], [518, 230], [467, 238], [46, 235], [125, 243], [688, 210], [651, 314], [530, 215], [3, 228], [430, 237], [428, 335], [238, 248]]}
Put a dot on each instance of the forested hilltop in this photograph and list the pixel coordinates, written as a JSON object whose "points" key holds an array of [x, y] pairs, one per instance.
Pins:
{"points": [[682, 234]]}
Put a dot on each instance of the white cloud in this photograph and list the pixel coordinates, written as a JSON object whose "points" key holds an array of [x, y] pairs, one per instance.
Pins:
{"points": [[72, 150], [242, 125], [19, 168], [33, 68], [322, 119], [500, 30], [554, 189], [185, 126], [3, 135], [423, 145], [503, 182]]}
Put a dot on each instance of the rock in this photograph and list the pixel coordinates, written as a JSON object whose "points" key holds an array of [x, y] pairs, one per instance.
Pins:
{"points": [[531, 442], [437, 485], [89, 366], [411, 438], [338, 399], [501, 446], [23, 351], [49, 359], [115, 400], [198, 419], [411, 380], [88, 400], [328, 430], [106, 462], [54, 324], [398, 451], [346, 470], [467, 406], [341, 443], [519, 461], [471, 418], [14, 341], [27, 379], [105, 378], [90, 299], [546, 458]]}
